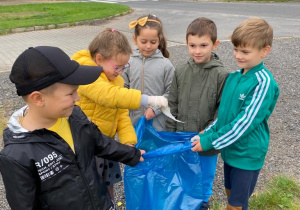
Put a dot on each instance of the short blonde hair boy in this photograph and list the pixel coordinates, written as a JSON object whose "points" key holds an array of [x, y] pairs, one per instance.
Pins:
{"points": [[254, 32]]}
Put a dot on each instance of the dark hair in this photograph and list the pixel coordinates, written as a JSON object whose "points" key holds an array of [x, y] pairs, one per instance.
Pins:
{"points": [[202, 26], [109, 43], [154, 25]]}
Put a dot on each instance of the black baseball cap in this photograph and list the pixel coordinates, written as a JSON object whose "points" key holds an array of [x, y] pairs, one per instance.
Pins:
{"points": [[39, 67]]}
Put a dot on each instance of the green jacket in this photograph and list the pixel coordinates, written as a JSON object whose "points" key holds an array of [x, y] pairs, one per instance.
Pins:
{"points": [[195, 94], [241, 130]]}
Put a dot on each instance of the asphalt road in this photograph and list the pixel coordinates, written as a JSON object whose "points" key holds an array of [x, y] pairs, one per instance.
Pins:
{"points": [[176, 15]]}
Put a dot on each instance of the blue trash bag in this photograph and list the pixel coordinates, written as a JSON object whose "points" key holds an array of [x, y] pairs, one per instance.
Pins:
{"points": [[171, 177]]}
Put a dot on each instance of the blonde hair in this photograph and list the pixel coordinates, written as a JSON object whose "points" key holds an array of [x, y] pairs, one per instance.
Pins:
{"points": [[254, 32], [109, 43], [46, 91]]}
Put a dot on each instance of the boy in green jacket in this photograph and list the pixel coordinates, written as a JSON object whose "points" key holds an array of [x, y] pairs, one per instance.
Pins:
{"points": [[241, 130], [196, 89]]}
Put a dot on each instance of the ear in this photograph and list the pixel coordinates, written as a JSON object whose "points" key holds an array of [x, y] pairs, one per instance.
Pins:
{"points": [[265, 51], [134, 39], [37, 98], [216, 44], [98, 59]]}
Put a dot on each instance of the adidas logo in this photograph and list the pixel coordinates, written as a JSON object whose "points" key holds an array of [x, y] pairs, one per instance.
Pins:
{"points": [[242, 97]]}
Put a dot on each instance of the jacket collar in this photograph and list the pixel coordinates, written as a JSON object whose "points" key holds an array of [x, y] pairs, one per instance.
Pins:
{"points": [[16, 134], [214, 62], [157, 54], [255, 69], [14, 121]]}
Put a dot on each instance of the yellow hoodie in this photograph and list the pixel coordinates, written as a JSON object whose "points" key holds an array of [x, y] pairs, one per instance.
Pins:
{"points": [[106, 102]]}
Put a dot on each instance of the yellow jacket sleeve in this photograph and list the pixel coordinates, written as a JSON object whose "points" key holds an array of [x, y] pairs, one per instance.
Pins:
{"points": [[111, 95], [125, 128]]}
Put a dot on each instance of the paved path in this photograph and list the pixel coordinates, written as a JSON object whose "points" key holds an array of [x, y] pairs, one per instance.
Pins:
{"points": [[69, 40]]}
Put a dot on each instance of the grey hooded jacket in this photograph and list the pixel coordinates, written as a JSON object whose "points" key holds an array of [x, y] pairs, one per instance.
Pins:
{"points": [[153, 76]]}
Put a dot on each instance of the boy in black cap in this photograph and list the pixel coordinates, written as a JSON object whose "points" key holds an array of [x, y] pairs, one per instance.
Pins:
{"points": [[48, 159]]}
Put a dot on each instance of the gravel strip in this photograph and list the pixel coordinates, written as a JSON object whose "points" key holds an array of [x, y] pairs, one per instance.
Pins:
{"points": [[283, 156]]}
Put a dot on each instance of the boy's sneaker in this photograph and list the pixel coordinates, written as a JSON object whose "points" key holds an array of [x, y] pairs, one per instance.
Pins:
{"points": [[204, 206]]}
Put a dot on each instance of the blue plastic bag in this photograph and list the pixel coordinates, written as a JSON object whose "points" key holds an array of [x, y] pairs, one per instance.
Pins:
{"points": [[172, 176]]}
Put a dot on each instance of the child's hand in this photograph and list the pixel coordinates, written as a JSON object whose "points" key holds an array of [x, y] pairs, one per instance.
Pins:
{"points": [[132, 145], [149, 114], [157, 101], [195, 138], [142, 152], [196, 143]]}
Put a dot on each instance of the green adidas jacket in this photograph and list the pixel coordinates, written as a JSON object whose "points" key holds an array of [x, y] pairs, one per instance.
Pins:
{"points": [[241, 130]]}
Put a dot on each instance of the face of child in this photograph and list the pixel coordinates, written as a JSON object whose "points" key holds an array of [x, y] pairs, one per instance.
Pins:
{"points": [[114, 67], [249, 57], [200, 48], [147, 42], [59, 100]]}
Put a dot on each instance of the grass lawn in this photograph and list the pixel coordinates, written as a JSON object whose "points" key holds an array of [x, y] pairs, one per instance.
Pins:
{"points": [[27, 15], [282, 193]]}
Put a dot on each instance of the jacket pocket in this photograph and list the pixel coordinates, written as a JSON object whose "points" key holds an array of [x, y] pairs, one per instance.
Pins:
{"points": [[258, 144], [179, 127], [66, 197], [159, 122]]}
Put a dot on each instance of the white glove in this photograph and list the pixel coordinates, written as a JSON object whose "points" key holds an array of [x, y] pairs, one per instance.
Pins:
{"points": [[157, 101], [195, 138]]}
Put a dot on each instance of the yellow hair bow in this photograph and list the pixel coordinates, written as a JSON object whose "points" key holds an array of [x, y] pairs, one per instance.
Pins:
{"points": [[141, 22]]}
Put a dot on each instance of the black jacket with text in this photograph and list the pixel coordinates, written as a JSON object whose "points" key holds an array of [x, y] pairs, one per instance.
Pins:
{"points": [[40, 170]]}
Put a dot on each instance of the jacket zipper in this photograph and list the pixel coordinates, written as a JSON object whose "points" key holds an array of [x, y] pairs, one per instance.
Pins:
{"points": [[142, 82], [85, 182], [81, 174], [74, 157]]}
